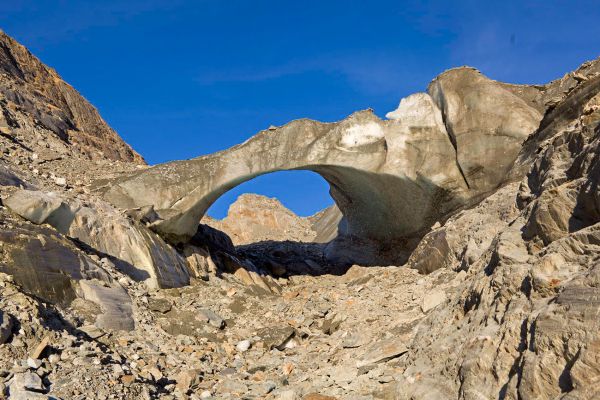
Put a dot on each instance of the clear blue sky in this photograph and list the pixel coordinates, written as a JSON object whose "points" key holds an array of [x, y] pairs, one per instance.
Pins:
{"points": [[178, 79]]}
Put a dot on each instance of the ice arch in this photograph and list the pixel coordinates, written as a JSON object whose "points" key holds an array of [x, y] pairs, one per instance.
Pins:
{"points": [[389, 178]]}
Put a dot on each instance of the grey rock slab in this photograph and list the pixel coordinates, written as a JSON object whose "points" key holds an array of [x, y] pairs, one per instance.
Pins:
{"points": [[139, 252], [276, 337], [381, 351], [27, 395], [27, 381], [6, 326], [213, 318], [45, 263], [116, 305]]}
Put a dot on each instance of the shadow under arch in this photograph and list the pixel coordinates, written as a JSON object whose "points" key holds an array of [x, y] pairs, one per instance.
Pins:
{"points": [[371, 200]]}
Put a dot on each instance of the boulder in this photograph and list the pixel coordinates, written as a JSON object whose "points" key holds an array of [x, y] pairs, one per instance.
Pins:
{"points": [[46, 264], [139, 252]]}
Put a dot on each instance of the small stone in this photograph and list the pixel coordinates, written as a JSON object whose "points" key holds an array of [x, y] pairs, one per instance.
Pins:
{"points": [[267, 387], [243, 346], [187, 379], [213, 318], [276, 337], [127, 379], [291, 295], [432, 300], [39, 349], [28, 381], [54, 358], [117, 370], [155, 373], [92, 331], [287, 368], [60, 181], [34, 363], [259, 376], [205, 395], [159, 305]]}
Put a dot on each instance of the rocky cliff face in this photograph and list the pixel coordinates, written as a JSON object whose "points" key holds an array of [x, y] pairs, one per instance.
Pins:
{"points": [[498, 297]]}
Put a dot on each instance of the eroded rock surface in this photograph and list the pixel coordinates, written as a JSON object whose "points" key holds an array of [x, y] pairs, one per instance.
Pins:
{"points": [[521, 326]]}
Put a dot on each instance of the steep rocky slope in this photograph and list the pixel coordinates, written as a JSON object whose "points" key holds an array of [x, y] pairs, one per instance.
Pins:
{"points": [[41, 111], [498, 298]]}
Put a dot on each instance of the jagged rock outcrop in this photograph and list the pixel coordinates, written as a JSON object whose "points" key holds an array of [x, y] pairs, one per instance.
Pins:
{"points": [[523, 324], [391, 179]]}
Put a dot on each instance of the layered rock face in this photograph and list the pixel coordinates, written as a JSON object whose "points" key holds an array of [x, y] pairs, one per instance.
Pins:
{"points": [[138, 252], [391, 179]]}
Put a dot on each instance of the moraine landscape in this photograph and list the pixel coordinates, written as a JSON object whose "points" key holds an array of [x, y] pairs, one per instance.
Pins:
{"points": [[460, 258]]}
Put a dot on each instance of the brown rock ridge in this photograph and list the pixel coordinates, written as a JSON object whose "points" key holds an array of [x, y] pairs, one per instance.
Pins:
{"points": [[34, 95]]}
